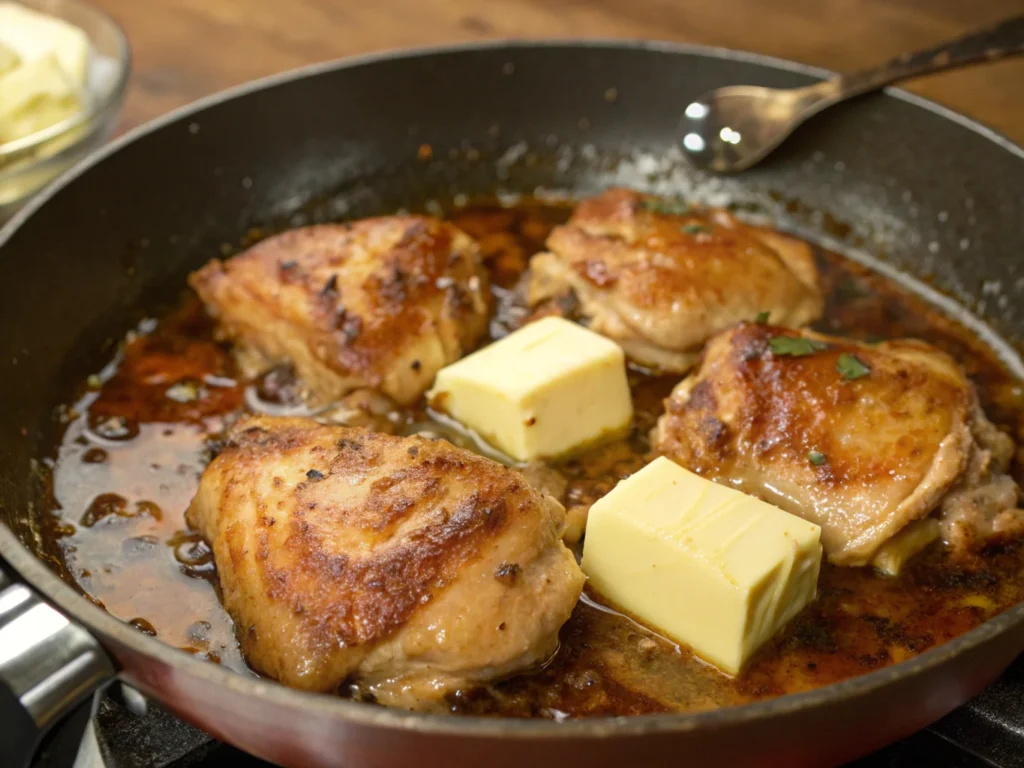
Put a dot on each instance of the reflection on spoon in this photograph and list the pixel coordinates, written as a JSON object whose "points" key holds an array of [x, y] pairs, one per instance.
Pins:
{"points": [[731, 129]]}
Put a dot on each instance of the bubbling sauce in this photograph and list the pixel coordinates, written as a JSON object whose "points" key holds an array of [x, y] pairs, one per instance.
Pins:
{"points": [[140, 434]]}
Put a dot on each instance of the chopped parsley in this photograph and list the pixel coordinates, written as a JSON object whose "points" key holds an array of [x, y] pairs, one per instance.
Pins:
{"points": [[817, 458], [762, 317], [796, 346], [695, 229], [852, 367], [666, 207]]}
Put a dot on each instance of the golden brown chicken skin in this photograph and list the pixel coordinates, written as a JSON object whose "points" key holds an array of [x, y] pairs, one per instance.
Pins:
{"points": [[864, 440], [380, 303], [660, 277], [406, 565]]}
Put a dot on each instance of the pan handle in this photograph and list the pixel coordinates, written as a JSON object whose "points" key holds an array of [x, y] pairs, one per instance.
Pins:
{"points": [[1005, 38], [48, 665]]}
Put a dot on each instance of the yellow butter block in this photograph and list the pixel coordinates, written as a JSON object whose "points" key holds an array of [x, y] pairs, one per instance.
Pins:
{"points": [[544, 391], [708, 566]]}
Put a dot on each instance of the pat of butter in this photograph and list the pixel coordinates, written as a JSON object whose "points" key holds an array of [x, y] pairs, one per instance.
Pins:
{"points": [[713, 568], [544, 391]]}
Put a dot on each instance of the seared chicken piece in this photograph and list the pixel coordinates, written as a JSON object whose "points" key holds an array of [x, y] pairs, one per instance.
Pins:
{"points": [[381, 303], [862, 440], [406, 565], [660, 278]]}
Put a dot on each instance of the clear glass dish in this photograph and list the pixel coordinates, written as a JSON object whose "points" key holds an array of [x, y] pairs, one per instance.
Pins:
{"points": [[29, 163]]}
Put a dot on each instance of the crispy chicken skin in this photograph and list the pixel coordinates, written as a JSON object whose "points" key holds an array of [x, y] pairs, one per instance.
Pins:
{"points": [[380, 303], [862, 458], [407, 565], [661, 278]]}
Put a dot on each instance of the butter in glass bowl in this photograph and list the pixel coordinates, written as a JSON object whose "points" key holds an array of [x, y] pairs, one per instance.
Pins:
{"points": [[63, 70]]}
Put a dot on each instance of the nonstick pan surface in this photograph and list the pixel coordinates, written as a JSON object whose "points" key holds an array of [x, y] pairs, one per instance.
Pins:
{"points": [[891, 177]]}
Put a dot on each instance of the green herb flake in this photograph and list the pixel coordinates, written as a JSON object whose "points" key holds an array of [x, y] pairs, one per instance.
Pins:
{"points": [[762, 317], [695, 229], [94, 382], [817, 458], [795, 346], [666, 207], [852, 367]]}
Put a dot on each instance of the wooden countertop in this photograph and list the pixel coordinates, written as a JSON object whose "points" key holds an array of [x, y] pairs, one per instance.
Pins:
{"points": [[185, 49]]}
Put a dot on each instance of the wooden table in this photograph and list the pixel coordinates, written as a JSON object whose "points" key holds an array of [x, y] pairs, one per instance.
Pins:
{"points": [[185, 49]]}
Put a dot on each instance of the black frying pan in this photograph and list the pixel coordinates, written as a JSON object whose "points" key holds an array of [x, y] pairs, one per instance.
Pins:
{"points": [[928, 191]]}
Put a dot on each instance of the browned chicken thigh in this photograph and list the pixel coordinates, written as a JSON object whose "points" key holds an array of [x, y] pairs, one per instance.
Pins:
{"points": [[867, 441], [380, 304], [406, 565], [660, 277]]}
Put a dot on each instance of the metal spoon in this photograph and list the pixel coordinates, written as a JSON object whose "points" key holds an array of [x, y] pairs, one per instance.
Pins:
{"points": [[731, 129]]}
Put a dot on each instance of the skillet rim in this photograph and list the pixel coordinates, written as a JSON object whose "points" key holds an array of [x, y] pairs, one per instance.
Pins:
{"points": [[102, 624]]}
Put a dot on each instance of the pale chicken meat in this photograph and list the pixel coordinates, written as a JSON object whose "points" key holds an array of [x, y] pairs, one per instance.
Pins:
{"points": [[379, 304], [660, 277], [884, 446], [406, 566]]}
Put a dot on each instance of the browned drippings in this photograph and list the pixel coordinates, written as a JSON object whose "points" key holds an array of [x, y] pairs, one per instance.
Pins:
{"points": [[127, 470]]}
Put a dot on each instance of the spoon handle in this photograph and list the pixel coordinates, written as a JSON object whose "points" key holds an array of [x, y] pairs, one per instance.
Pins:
{"points": [[1005, 38]]}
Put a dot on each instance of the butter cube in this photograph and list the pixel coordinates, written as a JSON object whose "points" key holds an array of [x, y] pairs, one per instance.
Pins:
{"points": [[544, 391], [710, 567]]}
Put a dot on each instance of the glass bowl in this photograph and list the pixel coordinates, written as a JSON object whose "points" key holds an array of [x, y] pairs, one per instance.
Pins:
{"points": [[29, 163]]}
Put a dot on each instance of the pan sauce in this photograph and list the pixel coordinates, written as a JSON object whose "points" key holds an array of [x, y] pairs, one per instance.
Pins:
{"points": [[140, 435]]}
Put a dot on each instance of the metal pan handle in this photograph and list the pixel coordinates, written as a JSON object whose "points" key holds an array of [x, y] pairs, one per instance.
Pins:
{"points": [[48, 665]]}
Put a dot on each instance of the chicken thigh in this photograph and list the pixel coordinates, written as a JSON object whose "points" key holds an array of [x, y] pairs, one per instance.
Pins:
{"points": [[866, 441], [660, 277], [406, 565], [381, 303]]}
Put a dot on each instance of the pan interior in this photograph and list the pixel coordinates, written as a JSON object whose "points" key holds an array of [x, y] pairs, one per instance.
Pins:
{"points": [[878, 180]]}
